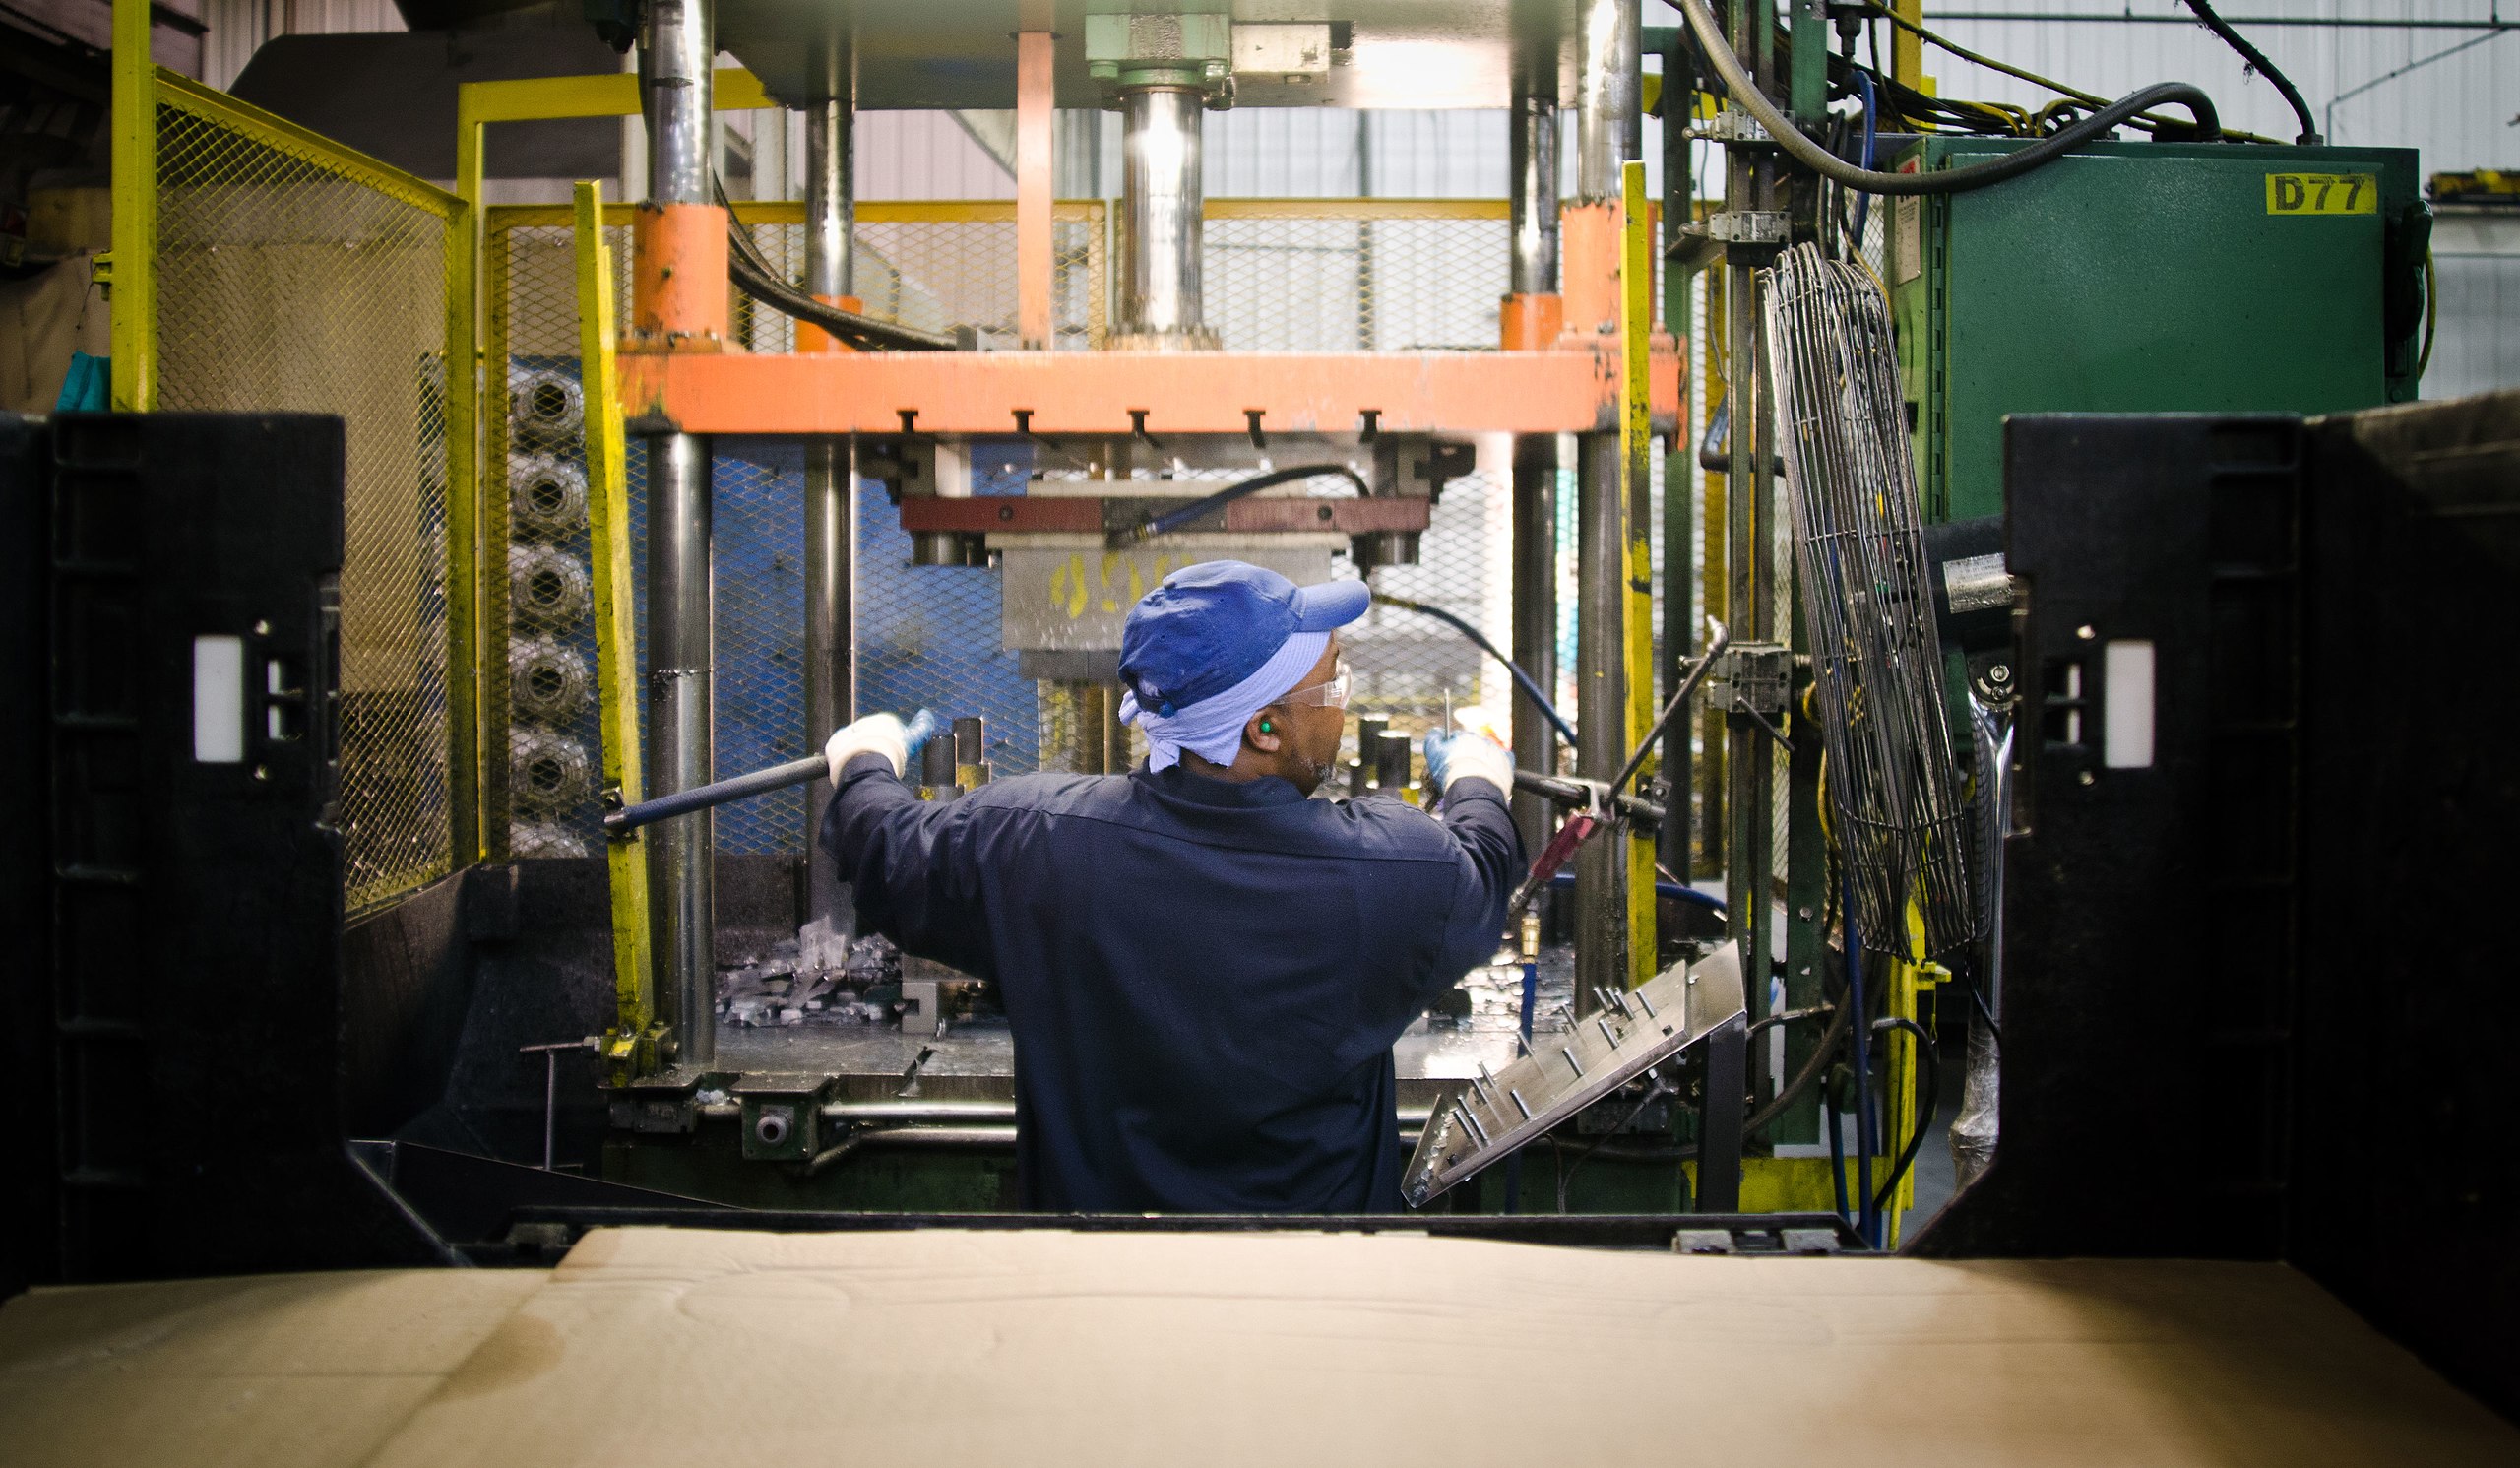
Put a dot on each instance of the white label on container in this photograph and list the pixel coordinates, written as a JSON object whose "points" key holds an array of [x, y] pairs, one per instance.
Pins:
{"points": [[218, 700], [2126, 705]]}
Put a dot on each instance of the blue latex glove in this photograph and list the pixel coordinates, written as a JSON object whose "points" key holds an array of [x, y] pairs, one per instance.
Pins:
{"points": [[919, 728], [1462, 755]]}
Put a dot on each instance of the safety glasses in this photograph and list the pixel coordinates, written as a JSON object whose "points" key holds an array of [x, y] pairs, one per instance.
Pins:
{"points": [[1332, 694]]}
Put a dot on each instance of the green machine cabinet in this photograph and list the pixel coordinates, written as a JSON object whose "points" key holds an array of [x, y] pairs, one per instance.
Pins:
{"points": [[2149, 278]]}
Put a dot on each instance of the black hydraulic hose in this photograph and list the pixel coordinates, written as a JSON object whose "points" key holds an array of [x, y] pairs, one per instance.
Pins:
{"points": [[1173, 520], [1523, 681], [1840, 1022], [1924, 1105], [754, 276], [851, 327], [1746, 95], [2258, 63]]}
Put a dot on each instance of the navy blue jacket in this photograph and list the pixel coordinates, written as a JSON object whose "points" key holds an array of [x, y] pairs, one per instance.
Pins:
{"points": [[1204, 978]]}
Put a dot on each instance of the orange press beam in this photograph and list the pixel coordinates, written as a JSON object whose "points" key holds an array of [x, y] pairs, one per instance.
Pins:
{"points": [[1135, 392]]}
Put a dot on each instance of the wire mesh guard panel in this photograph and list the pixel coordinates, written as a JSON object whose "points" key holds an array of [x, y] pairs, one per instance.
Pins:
{"points": [[1894, 790], [944, 273], [1291, 283], [288, 286]]}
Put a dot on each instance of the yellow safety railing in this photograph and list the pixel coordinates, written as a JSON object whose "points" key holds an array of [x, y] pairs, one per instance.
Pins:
{"points": [[260, 266], [629, 1048]]}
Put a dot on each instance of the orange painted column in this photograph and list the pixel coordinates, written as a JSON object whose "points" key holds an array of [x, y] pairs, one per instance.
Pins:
{"points": [[812, 338], [1589, 246], [1032, 195], [1530, 323], [679, 283]]}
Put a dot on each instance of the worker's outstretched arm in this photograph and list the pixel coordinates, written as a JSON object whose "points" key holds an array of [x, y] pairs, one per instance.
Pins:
{"points": [[1476, 812], [913, 864]]}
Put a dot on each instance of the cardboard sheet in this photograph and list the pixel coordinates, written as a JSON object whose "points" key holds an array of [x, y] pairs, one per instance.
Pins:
{"points": [[263, 1371], [661, 1347]]}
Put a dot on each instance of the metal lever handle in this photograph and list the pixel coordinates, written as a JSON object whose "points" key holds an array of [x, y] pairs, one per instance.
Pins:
{"points": [[629, 818]]}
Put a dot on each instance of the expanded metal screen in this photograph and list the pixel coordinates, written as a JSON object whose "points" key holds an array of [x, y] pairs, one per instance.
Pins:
{"points": [[293, 276], [945, 266], [1353, 275]]}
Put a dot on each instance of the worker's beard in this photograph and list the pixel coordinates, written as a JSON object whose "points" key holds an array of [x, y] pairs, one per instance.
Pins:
{"points": [[1313, 772]]}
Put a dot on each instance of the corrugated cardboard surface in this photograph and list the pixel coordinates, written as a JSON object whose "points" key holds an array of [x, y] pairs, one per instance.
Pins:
{"points": [[265, 1371], [661, 1347]]}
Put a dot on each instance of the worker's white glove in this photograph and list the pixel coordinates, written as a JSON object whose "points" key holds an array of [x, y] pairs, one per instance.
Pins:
{"points": [[879, 733], [1467, 757]]}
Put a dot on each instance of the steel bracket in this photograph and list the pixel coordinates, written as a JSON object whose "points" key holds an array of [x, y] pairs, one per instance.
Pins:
{"points": [[1752, 677], [783, 1115], [1734, 128], [1748, 226]]}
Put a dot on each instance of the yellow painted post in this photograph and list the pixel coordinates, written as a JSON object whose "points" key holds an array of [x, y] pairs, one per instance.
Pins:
{"points": [[1907, 48], [463, 487], [1713, 519], [133, 276], [1636, 493], [630, 1046], [1901, 1123]]}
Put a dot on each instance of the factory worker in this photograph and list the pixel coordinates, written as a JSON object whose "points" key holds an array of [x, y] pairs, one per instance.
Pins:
{"points": [[1204, 968]]}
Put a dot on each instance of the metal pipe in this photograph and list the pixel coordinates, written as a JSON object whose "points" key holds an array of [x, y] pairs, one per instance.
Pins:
{"points": [[1608, 131], [676, 59], [1610, 125], [856, 1112], [677, 55], [1533, 167], [1749, 579], [1160, 203], [682, 634], [831, 499], [988, 1137], [1532, 164], [1534, 594], [831, 204], [1601, 708]]}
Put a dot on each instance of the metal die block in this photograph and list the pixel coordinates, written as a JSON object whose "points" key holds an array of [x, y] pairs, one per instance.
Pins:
{"points": [[918, 464], [782, 1116], [922, 1007], [1074, 592]]}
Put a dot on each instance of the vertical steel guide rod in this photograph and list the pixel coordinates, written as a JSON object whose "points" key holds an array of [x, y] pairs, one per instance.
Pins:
{"points": [[1532, 146], [1609, 129], [831, 490], [1749, 512], [1162, 198], [678, 57]]}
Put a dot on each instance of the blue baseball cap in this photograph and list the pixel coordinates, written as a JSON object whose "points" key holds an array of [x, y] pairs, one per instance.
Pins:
{"points": [[1211, 626]]}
